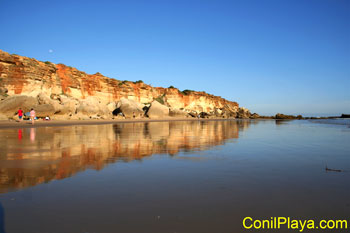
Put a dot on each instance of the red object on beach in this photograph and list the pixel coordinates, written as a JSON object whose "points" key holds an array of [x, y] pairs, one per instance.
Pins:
{"points": [[20, 112]]}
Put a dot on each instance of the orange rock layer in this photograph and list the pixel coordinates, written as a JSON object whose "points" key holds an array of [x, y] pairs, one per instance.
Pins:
{"points": [[28, 76]]}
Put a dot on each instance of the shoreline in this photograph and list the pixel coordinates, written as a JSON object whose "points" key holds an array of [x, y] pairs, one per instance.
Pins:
{"points": [[15, 124], [6, 124]]}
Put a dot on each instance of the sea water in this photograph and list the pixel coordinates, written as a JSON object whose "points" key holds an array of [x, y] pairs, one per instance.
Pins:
{"points": [[181, 176]]}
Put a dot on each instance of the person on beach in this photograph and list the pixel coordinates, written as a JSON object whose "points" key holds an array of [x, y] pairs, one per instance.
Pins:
{"points": [[20, 114], [32, 115]]}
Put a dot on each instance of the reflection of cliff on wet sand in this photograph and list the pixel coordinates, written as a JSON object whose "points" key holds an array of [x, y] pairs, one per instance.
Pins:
{"points": [[33, 156]]}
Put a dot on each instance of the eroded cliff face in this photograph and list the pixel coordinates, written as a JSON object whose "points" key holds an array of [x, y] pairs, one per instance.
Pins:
{"points": [[27, 76]]}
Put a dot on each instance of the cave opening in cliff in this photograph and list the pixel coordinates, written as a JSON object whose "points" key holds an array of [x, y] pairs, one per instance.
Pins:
{"points": [[117, 111]]}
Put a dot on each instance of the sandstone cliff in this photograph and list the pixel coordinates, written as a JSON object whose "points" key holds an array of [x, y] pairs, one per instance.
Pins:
{"points": [[72, 94]]}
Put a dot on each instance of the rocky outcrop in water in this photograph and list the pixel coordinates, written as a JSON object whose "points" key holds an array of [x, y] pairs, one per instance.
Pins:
{"points": [[73, 94], [280, 116]]}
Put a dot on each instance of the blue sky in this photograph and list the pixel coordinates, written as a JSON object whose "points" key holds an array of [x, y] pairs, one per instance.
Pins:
{"points": [[268, 55]]}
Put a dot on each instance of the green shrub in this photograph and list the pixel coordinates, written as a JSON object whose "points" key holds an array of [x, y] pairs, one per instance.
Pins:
{"points": [[122, 82], [47, 63], [138, 81], [172, 87], [160, 99], [186, 92]]}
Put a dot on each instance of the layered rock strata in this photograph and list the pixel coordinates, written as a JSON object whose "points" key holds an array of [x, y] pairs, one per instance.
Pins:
{"points": [[73, 94]]}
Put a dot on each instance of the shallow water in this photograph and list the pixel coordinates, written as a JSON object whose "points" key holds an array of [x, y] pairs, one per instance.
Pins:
{"points": [[172, 176]]}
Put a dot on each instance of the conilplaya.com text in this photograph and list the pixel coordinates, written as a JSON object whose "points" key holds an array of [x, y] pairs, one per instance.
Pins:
{"points": [[295, 224]]}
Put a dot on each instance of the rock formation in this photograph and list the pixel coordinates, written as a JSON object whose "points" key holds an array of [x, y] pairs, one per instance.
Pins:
{"points": [[73, 94], [129, 108], [280, 116], [11, 104], [157, 110]]}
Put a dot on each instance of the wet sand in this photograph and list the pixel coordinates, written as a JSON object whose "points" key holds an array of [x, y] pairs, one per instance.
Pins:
{"points": [[5, 124], [171, 176]]}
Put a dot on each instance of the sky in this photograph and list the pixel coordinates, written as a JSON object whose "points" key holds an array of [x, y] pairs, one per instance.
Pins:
{"points": [[290, 56]]}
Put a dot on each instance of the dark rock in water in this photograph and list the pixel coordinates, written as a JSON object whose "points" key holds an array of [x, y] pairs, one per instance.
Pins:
{"points": [[255, 116], [345, 116], [266, 117], [332, 170], [282, 116]]}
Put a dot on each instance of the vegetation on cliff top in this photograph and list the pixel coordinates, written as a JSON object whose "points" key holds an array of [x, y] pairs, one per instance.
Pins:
{"points": [[187, 92]]}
